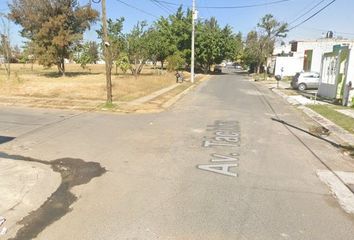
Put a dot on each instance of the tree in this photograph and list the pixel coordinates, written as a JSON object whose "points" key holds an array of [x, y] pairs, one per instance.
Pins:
{"points": [[123, 63], [137, 48], [115, 36], [213, 44], [29, 53], [159, 44], [269, 31], [53, 26], [175, 61], [5, 45], [87, 54], [253, 52], [238, 53]]}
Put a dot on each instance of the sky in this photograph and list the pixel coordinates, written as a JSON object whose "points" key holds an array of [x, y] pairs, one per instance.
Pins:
{"points": [[338, 17]]}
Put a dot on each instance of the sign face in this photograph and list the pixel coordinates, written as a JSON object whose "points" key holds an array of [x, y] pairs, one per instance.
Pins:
{"points": [[225, 140]]}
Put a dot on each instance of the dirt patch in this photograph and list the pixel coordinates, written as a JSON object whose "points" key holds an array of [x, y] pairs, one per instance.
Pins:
{"points": [[319, 131], [73, 172]]}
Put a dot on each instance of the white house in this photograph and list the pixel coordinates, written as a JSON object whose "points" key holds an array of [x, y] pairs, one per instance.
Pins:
{"points": [[332, 58], [304, 55]]}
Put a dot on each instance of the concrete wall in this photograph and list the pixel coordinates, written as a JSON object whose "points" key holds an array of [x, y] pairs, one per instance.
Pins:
{"points": [[319, 47], [350, 73], [290, 65]]}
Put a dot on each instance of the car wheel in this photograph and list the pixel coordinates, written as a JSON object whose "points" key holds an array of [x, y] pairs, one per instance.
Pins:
{"points": [[302, 87]]}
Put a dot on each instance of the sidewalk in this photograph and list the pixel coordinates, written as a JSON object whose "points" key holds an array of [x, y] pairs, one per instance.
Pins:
{"points": [[301, 102], [24, 187]]}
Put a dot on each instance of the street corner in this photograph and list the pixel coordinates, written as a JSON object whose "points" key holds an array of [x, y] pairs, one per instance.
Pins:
{"points": [[341, 185], [24, 187]]}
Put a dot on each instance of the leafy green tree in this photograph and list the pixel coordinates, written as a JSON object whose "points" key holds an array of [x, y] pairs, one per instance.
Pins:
{"points": [[29, 53], [175, 61], [116, 37], [87, 54], [5, 44], [213, 44], [175, 33], [271, 30], [53, 26], [260, 45], [123, 63], [137, 48], [253, 55], [160, 45]]}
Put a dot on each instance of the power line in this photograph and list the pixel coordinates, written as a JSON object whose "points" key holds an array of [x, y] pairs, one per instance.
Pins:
{"points": [[317, 4], [166, 6], [313, 15], [159, 5], [233, 7], [138, 9]]}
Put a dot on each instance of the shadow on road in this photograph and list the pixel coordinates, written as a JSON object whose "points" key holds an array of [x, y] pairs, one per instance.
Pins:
{"points": [[350, 149], [4, 139]]}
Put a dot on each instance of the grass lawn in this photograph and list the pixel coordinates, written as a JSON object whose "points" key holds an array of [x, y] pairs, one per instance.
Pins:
{"points": [[83, 84], [329, 112]]}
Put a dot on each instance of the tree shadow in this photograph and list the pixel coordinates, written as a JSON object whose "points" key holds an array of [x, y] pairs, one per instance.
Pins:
{"points": [[348, 148], [69, 74]]}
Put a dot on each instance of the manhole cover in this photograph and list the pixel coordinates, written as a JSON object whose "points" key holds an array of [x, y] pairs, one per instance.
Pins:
{"points": [[4, 139]]}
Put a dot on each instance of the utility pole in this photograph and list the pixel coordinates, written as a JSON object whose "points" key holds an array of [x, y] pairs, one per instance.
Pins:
{"points": [[194, 15], [107, 53]]}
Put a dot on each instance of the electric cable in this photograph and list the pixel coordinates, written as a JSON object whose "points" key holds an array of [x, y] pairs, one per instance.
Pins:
{"points": [[313, 15]]}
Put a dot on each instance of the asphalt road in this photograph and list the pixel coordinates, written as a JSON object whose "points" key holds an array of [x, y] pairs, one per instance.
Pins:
{"points": [[214, 166]]}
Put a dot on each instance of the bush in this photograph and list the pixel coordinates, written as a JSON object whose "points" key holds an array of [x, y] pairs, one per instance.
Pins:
{"points": [[123, 62], [175, 62]]}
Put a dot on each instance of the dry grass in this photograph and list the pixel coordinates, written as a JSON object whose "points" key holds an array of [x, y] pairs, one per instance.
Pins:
{"points": [[88, 84]]}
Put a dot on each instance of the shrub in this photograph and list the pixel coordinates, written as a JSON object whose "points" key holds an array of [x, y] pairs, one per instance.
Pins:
{"points": [[175, 62]]}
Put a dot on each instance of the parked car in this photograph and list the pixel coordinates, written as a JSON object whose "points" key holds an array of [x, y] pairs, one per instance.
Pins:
{"points": [[305, 80], [218, 69]]}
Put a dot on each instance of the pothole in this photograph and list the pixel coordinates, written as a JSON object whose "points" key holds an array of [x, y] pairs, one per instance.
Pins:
{"points": [[73, 172]]}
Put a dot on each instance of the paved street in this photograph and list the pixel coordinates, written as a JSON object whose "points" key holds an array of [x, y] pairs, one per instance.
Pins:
{"points": [[214, 166]]}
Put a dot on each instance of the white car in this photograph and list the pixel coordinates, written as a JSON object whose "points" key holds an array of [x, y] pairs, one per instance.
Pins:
{"points": [[305, 80]]}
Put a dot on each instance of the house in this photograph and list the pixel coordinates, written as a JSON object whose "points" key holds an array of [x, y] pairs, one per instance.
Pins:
{"points": [[337, 71], [304, 55], [332, 57]]}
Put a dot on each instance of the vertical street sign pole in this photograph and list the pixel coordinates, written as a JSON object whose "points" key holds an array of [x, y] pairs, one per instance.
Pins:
{"points": [[107, 53], [193, 40]]}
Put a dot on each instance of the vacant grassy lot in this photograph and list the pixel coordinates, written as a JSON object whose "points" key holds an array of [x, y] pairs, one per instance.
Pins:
{"points": [[329, 112], [83, 84]]}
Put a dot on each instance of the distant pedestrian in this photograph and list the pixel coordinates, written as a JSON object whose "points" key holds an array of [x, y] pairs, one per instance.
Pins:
{"points": [[179, 76]]}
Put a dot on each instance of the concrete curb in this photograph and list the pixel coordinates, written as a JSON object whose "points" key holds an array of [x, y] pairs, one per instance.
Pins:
{"points": [[173, 100], [153, 95], [341, 133]]}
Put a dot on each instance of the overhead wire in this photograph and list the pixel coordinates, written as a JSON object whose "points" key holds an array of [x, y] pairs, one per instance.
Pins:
{"points": [[235, 6], [161, 6], [313, 15], [308, 11], [138, 9], [166, 6]]}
